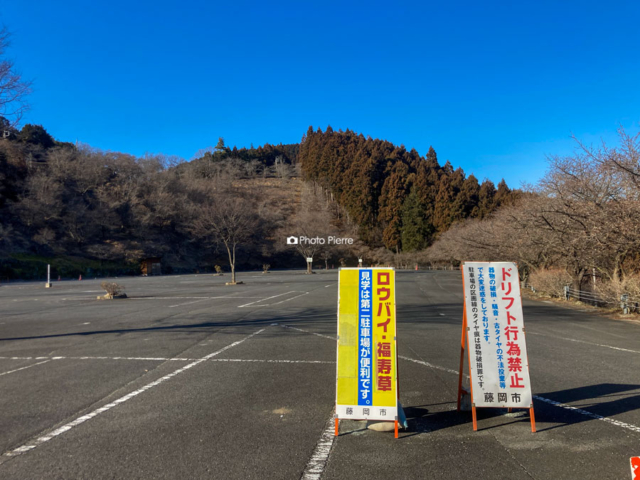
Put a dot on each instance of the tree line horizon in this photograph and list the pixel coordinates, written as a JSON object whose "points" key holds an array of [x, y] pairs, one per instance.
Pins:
{"points": [[62, 199], [109, 209]]}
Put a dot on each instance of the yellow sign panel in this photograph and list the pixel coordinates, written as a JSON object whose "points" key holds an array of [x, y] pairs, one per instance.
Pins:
{"points": [[367, 382]]}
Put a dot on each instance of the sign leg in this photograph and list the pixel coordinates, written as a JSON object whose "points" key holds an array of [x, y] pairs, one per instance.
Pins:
{"points": [[461, 371], [533, 420], [475, 419], [462, 342], [337, 426], [460, 378], [396, 429]]}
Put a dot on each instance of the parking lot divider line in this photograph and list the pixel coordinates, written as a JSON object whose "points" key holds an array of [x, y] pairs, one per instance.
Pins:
{"points": [[318, 461], [268, 298], [23, 368], [627, 426], [74, 423]]}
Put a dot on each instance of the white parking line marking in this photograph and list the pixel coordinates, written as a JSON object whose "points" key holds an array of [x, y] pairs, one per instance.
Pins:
{"points": [[160, 298], [586, 343], [152, 359], [430, 365], [262, 300], [78, 298], [287, 300], [23, 368], [161, 359], [597, 330], [168, 298], [60, 430], [628, 426], [306, 331], [617, 423], [188, 303], [318, 461], [272, 361]]}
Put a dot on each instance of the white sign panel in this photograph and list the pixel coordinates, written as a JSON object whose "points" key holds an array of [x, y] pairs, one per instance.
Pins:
{"points": [[495, 335]]}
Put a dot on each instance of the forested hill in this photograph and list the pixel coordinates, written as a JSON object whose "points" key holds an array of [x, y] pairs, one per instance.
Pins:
{"points": [[397, 198], [79, 208]]}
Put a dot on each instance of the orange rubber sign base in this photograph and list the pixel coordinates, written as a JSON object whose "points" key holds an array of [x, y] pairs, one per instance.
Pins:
{"points": [[337, 428], [635, 468]]}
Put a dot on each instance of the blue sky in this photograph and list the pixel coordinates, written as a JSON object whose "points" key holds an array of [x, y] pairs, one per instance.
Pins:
{"points": [[493, 86]]}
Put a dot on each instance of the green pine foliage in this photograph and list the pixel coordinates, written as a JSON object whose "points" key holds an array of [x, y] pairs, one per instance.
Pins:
{"points": [[415, 229], [398, 199], [36, 135]]}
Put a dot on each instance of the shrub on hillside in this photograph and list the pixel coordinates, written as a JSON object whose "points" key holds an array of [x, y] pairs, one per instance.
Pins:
{"points": [[613, 289], [550, 281]]}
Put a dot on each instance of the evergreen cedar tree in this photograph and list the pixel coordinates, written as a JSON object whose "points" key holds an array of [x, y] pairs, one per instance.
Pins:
{"points": [[396, 197]]}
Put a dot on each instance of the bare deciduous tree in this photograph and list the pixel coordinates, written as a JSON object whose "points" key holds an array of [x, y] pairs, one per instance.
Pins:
{"points": [[581, 216], [13, 88], [227, 220], [282, 169]]}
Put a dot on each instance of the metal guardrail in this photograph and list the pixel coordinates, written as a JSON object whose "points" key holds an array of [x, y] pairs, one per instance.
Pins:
{"points": [[626, 303], [587, 297]]}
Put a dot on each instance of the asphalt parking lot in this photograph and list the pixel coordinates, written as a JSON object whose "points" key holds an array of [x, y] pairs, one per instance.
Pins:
{"points": [[189, 378]]}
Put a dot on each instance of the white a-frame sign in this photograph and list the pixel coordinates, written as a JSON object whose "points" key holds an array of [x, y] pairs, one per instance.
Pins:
{"points": [[493, 332]]}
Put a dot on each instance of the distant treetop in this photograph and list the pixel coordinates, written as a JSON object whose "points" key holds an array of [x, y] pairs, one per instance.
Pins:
{"points": [[396, 197]]}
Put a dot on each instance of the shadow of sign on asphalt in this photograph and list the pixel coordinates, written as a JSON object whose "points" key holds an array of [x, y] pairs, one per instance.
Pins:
{"points": [[307, 316], [607, 400]]}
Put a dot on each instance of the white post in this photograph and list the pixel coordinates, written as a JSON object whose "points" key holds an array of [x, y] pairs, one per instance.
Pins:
{"points": [[48, 285]]}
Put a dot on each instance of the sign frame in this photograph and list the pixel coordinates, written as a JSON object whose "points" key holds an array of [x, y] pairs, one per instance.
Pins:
{"points": [[465, 341], [635, 468], [395, 408]]}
